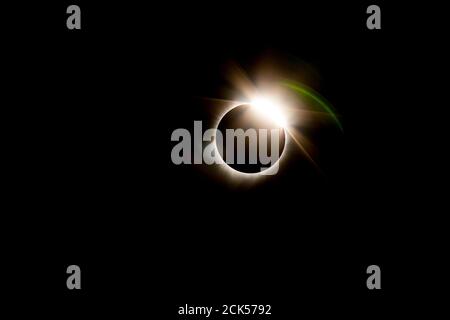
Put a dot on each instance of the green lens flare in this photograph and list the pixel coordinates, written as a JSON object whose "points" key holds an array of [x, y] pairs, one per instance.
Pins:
{"points": [[316, 97]]}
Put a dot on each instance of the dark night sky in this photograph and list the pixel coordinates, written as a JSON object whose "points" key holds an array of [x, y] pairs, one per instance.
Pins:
{"points": [[92, 172]]}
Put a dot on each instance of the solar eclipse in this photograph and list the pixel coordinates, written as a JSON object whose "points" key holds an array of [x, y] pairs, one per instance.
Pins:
{"points": [[252, 135]]}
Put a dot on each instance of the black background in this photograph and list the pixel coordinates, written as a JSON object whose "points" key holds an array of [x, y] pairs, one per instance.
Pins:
{"points": [[92, 182]]}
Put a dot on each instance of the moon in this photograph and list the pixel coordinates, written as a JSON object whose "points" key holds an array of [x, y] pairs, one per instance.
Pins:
{"points": [[259, 118]]}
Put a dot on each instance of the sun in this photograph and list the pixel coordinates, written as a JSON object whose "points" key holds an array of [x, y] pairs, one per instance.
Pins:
{"points": [[270, 108]]}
